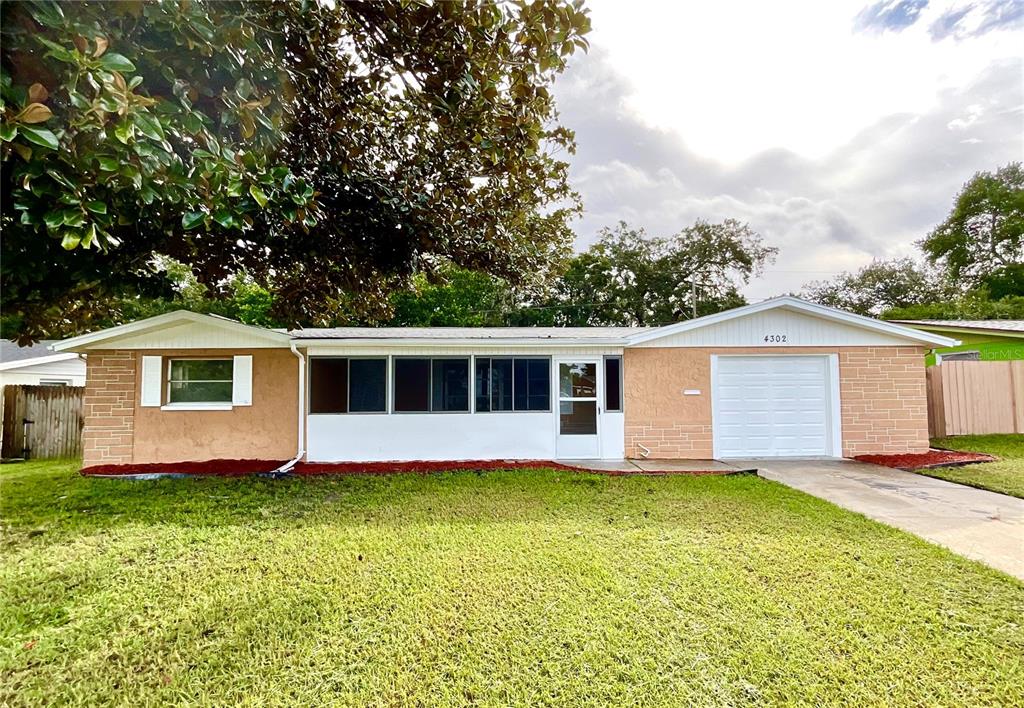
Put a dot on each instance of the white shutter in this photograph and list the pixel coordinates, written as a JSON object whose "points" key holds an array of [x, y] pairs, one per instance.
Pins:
{"points": [[152, 380], [241, 386]]}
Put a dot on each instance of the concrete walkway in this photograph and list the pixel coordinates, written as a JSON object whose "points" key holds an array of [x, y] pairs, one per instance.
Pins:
{"points": [[656, 466], [982, 525]]}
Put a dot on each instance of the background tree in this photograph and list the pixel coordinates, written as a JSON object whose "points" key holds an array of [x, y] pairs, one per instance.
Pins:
{"points": [[333, 151], [455, 298], [881, 286], [630, 279], [974, 269], [983, 236]]}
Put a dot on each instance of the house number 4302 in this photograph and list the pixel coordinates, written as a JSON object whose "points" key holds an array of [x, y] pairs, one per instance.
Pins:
{"points": [[774, 338]]}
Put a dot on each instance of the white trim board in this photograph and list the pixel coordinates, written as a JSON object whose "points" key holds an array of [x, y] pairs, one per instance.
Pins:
{"points": [[152, 333], [897, 333]]}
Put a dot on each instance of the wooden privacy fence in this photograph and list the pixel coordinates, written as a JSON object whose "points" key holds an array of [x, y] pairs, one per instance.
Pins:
{"points": [[55, 429], [975, 398]]}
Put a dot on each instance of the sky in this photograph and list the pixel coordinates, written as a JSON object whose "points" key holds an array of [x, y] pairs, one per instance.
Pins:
{"points": [[840, 131]]}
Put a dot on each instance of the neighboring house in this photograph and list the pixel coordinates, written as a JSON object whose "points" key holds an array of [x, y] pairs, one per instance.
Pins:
{"points": [[782, 377], [38, 365], [993, 340]]}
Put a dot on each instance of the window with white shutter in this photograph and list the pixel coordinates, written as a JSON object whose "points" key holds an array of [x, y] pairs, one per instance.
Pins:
{"points": [[152, 380]]}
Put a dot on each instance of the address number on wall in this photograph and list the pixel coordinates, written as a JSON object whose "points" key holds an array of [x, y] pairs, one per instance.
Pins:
{"points": [[774, 338]]}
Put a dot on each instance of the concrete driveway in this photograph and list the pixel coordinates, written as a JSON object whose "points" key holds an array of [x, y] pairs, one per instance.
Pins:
{"points": [[985, 526]]}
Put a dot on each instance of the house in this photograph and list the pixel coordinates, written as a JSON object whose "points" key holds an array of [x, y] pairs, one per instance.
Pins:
{"points": [[783, 377], [38, 365], [991, 340]]}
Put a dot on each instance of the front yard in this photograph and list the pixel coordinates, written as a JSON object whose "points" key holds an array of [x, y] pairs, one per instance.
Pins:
{"points": [[498, 588], [1005, 475]]}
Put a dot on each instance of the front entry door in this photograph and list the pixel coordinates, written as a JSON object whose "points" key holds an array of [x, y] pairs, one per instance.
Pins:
{"points": [[578, 408]]}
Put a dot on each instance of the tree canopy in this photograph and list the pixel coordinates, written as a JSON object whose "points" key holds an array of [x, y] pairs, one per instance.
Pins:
{"points": [[328, 151], [880, 286], [974, 265], [631, 279], [983, 235]]}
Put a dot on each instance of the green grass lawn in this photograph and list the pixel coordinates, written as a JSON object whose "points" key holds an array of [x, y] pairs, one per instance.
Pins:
{"points": [[1005, 475], [524, 587]]}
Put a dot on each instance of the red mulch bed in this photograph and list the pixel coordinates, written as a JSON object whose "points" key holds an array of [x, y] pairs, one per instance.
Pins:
{"points": [[240, 468], [924, 460], [237, 468]]}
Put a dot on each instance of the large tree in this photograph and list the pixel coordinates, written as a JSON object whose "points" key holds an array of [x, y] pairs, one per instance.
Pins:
{"points": [[629, 278], [328, 150], [881, 285], [983, 236]]}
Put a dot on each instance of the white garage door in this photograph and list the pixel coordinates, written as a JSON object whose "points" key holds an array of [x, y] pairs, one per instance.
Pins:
{"points": [[772, 406]]}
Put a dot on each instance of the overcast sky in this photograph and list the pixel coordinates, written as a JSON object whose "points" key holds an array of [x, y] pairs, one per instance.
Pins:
{"points": [[841, 131]]}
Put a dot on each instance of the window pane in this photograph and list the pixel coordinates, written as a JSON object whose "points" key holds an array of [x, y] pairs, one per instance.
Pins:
{"points": [[522, 378], [451, 385], [412, 384], [501, 384], [367, 385], [533, 384], [483, 385], [578, 380], [200, 392], [328, 385], [578, 417], [201, 369], [613, 384]]}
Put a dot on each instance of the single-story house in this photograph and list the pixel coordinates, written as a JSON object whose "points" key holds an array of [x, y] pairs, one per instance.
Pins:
{"points": [[38, 365], [993, 340], [783, 377]]}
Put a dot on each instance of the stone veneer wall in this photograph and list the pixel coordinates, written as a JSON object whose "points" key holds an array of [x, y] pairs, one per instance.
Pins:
{"points": [[109, 408], [882, 393]]}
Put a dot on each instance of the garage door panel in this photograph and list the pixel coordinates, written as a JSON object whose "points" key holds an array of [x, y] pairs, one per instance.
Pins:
{"points": [[772, 406]]}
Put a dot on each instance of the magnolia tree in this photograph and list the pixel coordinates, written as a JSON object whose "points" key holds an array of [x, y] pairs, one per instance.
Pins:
{"points": [[327, 150]]}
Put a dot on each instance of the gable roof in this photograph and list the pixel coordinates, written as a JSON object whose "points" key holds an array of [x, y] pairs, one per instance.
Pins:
{"points": [[1009, 328], [168, 321], [129, 334], [795, 304], [11, 352], [14, 357]]}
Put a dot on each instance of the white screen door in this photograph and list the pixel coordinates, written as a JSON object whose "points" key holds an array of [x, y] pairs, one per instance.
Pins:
{"points": [[578, 408]]}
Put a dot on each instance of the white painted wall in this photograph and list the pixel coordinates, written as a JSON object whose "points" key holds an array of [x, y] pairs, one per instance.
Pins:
{"points": [[374, 437], [431, 436], [784, 328], [71, 371]]}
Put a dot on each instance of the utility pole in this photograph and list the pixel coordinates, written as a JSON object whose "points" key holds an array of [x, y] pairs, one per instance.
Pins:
{"points": [[693, 296]]}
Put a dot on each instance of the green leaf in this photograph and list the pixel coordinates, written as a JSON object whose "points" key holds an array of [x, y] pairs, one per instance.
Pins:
{"points": [[96, 207], [53, 219], [243, 88], [8, 132], [149, 127], [40, 136], [58, 52], [124, 131], [258, 195], [224, 218], [112, 61], [89, 237], [192, 219], [108, 164], [71, 240], [73, 217]]}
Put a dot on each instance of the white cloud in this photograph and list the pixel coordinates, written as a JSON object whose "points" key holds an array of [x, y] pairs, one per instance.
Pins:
{"points": [[733, 79], [875, 191]]}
